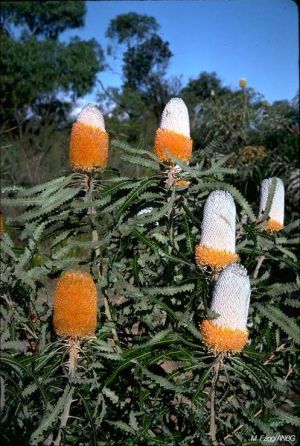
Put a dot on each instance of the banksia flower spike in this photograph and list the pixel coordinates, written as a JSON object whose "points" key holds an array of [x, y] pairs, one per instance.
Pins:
{"points": [[174, 132], [75, 305], [276, 214], [231, 297], [182, 184], [243, 83], [217, 245], [89, 141]]}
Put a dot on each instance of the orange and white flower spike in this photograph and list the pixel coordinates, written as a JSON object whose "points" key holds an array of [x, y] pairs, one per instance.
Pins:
{"points": [[174, 132], [243, 83], [89, 141], [231, 298], [276, 214], [217, 245]]}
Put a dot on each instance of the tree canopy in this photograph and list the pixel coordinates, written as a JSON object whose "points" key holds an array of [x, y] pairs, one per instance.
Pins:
{"points": [[42, 19], [127, 27], [35, 64]]}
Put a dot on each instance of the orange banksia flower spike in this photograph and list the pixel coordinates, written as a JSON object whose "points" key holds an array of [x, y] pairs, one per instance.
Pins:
{"points": [[75, 305], [217, 245], [231, 298], [174, 132], [276, 214], [89, 141]]}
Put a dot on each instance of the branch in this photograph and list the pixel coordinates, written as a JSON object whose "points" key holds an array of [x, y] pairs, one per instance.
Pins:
{"points": [[259, 263], [73, 359]]}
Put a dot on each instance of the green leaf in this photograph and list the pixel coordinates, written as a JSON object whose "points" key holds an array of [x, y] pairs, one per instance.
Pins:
{"points": [[141, 161], [162, 382], [121, 425], [156, 214], [57, 200], [282, 320], [169, 290], [141, 186], [286, 417], [51, 417], [110, 394], [284, 288], [292, 302]]}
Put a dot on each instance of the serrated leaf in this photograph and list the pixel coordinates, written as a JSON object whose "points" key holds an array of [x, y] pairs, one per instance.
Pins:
{"points": [[141, 186], [169, 290], [162, 382], [287, 417], [276, 316], [110, 394], [140, 161], [51, 417]]}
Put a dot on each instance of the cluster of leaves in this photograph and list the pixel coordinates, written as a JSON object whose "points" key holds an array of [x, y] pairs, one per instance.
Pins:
{"points": [[146, 378]]}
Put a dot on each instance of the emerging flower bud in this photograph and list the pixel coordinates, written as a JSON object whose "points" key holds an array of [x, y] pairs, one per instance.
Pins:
{"points": [[217, 245], [75, 305], [243, 83], [231, 297], [182, 184], [276, 214], [89, 141], [174, 132]]}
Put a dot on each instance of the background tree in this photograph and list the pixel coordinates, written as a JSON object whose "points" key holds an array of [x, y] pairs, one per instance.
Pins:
{"points": [[145, 88], [41, 76]]}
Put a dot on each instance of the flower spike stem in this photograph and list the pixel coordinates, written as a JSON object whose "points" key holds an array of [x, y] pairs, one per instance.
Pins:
{"points": [[73, 355], [73, 359], [258, 265], [64, 419], [213, 427]]}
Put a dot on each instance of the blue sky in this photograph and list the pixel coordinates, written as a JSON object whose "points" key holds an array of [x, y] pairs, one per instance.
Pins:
{"points": [[255, 39]]}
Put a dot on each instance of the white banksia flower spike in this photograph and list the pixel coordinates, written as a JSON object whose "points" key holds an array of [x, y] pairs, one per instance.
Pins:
{"points": [[217, 244], [89, 141], [231, 298], [276, 214], [174, 132], [175, 117], [91, 115]]}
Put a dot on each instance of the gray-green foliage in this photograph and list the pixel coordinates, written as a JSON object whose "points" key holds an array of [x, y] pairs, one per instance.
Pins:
{"points": [[151, 385]]}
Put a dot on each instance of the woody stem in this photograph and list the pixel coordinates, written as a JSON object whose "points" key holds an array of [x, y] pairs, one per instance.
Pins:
{"points": [[258, 265], [213, 427], [73, 359]]}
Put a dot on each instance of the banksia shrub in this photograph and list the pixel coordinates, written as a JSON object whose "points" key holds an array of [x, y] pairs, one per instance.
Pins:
{"points": [[89, 141], [217, 245], [174, 132], [75, 305], [276, 214], [160, 369], [231, 297]]}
